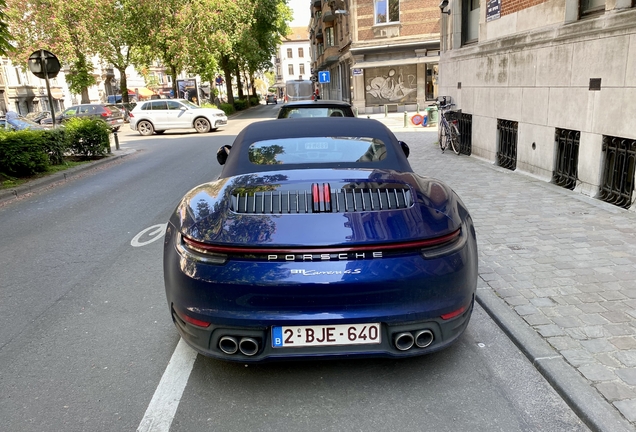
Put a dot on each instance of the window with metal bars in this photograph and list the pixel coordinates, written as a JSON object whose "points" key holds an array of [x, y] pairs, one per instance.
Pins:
{"points": [[465, 134], [507, 144], [617, 185], [566, 164]]}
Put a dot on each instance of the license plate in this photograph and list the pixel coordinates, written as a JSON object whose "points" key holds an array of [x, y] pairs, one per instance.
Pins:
{"points": [[340, 334]]}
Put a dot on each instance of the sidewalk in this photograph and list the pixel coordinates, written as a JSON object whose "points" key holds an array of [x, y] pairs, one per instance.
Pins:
{"points": [[557, 272]]}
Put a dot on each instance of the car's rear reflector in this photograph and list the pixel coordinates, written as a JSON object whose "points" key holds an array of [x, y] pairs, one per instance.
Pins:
{"points": [[454, 313], [195, 321]]}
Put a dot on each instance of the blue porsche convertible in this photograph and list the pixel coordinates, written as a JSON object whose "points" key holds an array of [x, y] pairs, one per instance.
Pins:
{"points": [[318, 240]]}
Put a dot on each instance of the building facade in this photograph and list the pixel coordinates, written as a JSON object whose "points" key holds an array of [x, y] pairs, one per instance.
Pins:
{"points": [[293, 60], [547, 87], [380, 54]]}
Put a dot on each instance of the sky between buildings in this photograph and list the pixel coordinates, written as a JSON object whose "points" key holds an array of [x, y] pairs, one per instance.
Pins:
{"points": [[301, 12]]}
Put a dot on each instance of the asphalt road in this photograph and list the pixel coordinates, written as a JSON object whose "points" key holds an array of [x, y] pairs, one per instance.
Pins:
{"points": [[86, 336]]}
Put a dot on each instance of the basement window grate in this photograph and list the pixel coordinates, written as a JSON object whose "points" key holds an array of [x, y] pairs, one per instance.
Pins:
{"points": [[507, 144], [567, 159], [617, 185], [466, 134]]}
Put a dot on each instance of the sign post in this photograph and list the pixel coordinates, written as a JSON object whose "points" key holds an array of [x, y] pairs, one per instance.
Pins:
{"points": [[44, 65]]}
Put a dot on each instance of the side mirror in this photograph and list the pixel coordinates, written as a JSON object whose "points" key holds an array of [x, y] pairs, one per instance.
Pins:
{"points": [[405, 148], [222, 153]]}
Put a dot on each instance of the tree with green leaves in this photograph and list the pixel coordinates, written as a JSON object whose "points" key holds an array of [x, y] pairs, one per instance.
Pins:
{"points": [[58, 26], [5, 34]]}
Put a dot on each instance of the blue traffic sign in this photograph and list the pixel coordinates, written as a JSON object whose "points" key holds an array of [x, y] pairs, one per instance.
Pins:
{"points": [[323, 77]]}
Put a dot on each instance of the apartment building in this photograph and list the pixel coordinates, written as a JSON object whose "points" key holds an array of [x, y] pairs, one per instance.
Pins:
{"points": [[380, 54], [293, 60], [23, 92], [547, 87]]}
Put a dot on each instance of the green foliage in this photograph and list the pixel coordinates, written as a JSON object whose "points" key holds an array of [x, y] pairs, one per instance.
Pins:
{"points": [[240, 104], [22, 154], [55, 144], [5, 35], [208, 105], [227, 108], [80, 75], [87, 137], [254, 100]]}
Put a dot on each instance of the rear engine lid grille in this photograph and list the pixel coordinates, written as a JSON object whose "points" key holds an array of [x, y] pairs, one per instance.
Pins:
{"points": [[321, 198]]}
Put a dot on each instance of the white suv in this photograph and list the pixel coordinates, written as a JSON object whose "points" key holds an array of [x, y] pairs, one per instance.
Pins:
{"points": [[159, 115]]}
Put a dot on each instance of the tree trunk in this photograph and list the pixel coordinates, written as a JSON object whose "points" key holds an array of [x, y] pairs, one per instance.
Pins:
{"points": [[123, 85], [239, 83], [173, 72], [85, 98], [225, 65]]}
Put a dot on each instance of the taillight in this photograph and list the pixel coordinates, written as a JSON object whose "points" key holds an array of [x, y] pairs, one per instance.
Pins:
{"points": [[106, 112], [200, 251], [130, 114]]}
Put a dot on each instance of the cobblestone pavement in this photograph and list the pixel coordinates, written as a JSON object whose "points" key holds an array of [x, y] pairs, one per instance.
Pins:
{"points": [[563, 262]]}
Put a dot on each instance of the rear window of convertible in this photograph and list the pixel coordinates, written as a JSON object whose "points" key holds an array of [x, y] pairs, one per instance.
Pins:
{"points": [[317, 150]]}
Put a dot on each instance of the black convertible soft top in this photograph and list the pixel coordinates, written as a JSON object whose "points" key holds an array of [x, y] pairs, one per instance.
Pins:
{"points": [[238, 161]]}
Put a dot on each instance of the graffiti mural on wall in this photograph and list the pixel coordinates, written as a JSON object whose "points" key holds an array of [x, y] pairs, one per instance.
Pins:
{"points": [[393, 84]]}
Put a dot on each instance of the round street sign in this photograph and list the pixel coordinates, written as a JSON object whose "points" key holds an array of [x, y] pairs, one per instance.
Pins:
{"points": [[38, 59]]}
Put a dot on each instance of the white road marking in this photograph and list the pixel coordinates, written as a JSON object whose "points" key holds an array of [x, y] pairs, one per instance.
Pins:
{"points": [[165, 401], [155, 232]]}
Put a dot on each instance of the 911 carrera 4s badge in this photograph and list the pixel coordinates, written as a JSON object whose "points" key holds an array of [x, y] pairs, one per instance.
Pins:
{"points": [[304, 272]]}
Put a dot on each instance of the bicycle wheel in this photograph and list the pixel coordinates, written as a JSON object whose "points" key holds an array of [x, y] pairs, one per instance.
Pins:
{"points": [[454, 138], [442, 138]]}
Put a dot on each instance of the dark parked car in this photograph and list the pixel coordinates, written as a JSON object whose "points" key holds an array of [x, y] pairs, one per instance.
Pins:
{"points": [[319, 240], [37, 116], [107, 112], [317, 108]]}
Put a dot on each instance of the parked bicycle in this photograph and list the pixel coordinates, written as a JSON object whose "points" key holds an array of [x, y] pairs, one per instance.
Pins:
{"points": [[448, 132]]}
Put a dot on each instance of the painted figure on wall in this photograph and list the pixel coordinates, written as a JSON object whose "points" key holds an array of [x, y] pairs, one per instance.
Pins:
{"points": [[391, 85]]}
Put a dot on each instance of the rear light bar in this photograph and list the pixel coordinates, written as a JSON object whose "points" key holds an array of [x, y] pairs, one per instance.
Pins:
{"points": [[217, 250]]}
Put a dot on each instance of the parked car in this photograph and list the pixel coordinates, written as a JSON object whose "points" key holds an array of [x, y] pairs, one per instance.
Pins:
{"points": [[161, 115], [13, 121], [107, 112], [126, 108], [387, 269], [315, 108], [37, 116], [271, 98]]}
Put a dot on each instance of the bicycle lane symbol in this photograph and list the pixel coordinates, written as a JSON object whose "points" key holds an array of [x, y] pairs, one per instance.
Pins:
{"points": [[149, 235]]}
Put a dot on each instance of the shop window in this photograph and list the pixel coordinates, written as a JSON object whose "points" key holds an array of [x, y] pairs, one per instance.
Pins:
{"points": [[387, 11]]}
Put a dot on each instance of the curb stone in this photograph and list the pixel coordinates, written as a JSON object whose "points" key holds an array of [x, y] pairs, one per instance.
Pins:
{"points": [[584, 400]]}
